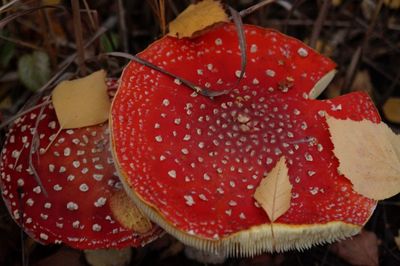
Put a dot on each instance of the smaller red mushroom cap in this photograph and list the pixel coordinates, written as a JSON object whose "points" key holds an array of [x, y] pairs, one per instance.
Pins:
{"points": [[77, 171], [192, 163]]}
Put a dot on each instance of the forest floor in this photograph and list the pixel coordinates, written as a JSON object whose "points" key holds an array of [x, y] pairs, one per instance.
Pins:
{"points": [[362, 37]]}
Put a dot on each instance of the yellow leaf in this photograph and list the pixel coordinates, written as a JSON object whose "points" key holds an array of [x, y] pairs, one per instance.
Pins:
{"points": [[368, 156], [126, 212], [197, 17], [394, 4], [274, 191], [82, 102], [391, 109]]}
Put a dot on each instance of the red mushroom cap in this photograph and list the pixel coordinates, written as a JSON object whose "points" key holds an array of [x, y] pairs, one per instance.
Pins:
{"points": [[77, 172], [193, 163]]}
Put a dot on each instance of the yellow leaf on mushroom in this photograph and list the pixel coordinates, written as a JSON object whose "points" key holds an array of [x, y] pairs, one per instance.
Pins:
{"points": [[196, 18], [82, 102], [368, 156], [126, 212], [275, 191]]}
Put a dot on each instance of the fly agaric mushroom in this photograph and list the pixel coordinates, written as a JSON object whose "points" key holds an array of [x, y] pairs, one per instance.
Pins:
{"points": [[78, 174], [193, 163]]}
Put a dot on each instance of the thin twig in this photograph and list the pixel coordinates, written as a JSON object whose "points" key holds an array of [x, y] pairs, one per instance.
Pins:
{"points": [[189, 84], [88, 11], [255, 7], [350, 75], [20, 43], [76, 14], [323, 12], [18, 14], [35, 143], [11, 119], [237, 19], [9, 4], [122, 26]]}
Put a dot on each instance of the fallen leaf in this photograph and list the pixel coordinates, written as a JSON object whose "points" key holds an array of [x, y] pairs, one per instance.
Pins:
{"points": [[82, 102], [393, 4], [362, 82], [359, 250], [126, 212], [391, 109], [108, 257], [397, 240], [367, 156], [274, 191], [34, 70], [63, 257], [197, 17]]}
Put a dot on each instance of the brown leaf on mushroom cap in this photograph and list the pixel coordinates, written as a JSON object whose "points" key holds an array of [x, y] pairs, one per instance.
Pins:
{"points": [[126, 212], [196, 18], [367, 156], [82, 102], [274, 191]]}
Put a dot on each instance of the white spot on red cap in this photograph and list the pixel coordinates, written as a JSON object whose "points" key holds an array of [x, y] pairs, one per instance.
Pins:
{"points": [[172, 173], [96, 228], [43, 236], [302, 52], [189, 200], [72, 206], [218, 41], [270, 73], [100, 202]]}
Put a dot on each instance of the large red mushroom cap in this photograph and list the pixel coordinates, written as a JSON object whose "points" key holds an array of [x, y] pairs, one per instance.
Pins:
{"points": [[78, 174], [193, 163]]}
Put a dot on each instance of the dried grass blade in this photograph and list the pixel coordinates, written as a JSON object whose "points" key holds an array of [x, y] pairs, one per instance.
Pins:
{"points": [[237, 19], [197, 89], [255, 7], [18, 14]]}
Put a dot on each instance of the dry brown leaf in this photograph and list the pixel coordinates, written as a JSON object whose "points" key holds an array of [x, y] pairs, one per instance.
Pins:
{"points": [[82, 102], [368, 156], [391, 109], [128, 214], [197, 17], [397, 240], [108, 257], [275, 191], [362, 82], [394, 4], [359, 250]]}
